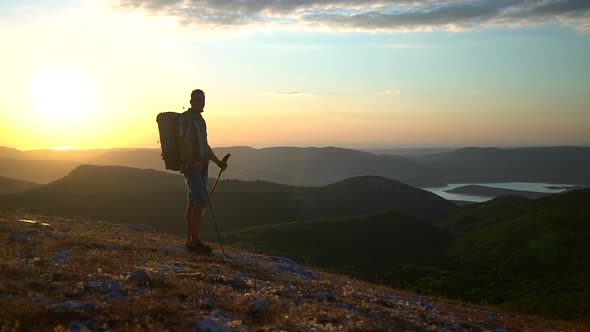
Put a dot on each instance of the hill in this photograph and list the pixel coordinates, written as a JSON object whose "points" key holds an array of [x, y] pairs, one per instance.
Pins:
{"points": [[373, 246], [10, 186], [567, 165], [519, 254], [486, 191], [40, 171], [125, 194], [58, 273], [534, 250]]}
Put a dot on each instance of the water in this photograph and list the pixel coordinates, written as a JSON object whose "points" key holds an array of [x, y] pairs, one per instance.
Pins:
{"points": [[527, 186]]}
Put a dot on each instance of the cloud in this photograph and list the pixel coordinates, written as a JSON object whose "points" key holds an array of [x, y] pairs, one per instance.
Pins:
{"points": [[365, 15]]}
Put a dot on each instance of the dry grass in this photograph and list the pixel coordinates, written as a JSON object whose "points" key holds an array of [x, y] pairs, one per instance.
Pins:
{"points": [[35, 283]]}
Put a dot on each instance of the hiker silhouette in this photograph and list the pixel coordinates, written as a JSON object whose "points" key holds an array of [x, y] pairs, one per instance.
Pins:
{"points": [[195, 154]]}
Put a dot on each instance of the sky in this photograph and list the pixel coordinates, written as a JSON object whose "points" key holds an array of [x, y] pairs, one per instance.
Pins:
{"points": [[361, 74]]}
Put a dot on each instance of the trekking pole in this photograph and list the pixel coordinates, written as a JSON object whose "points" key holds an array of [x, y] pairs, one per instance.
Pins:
{"points": [[211, 206]]}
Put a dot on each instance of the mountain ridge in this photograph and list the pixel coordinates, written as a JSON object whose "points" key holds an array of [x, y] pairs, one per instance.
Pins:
{"points": [[124, 194]]}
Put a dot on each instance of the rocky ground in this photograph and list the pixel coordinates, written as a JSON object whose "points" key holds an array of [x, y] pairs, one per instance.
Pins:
{"points": [[67, 274]]}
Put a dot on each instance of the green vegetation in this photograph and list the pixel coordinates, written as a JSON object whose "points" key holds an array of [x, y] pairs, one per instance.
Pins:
{"points": [[523, 255], [365, 246]]}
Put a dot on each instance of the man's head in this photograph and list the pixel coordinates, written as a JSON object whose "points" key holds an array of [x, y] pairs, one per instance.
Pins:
{"points": [[198, 99]]}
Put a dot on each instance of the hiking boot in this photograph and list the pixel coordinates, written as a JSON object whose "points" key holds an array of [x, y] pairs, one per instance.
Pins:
{"points": [[198, 248]]}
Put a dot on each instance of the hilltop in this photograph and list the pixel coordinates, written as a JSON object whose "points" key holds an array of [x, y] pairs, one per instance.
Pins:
{"points": [[59, 273]]}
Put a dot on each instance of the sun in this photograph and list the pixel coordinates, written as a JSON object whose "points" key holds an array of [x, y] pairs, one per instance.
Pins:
{"points": [[62, 93]]}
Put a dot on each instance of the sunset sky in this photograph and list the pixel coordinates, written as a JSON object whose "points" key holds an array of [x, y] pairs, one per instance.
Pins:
{"points": [[432, 73]]}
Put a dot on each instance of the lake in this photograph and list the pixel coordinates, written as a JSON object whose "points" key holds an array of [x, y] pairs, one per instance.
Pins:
{"points": [[527, 186]]}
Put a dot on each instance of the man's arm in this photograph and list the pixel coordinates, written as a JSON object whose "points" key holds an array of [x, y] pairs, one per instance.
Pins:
{"points": [[222, 164]]}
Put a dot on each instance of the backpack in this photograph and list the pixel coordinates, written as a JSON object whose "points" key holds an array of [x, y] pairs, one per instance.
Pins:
{"points": [[169, 142]]}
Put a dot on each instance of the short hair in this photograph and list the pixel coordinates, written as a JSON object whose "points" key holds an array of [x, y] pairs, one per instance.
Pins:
{"points": [[197, 93]]}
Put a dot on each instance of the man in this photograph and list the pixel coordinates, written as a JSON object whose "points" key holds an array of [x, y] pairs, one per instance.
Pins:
{"points": [[195, 154]]}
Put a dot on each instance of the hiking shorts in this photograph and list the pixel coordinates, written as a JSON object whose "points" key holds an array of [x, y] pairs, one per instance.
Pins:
{"points": [[196, 182]]}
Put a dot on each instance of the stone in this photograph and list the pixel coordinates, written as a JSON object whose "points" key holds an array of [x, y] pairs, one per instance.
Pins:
{"points": [[284, 264], [142, 227], [101, 246], [260, 306], [77, 326], [61, 257], [207, 304], [209, 325], [174, 267], [139, 277], [18, 236], [326, 296], [239, 282], [83, 326], [74, 305], [172, 248]]}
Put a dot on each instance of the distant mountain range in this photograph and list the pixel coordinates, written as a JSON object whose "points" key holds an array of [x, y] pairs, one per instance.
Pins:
{"points": [[321, 166], [567, 165], [40, 171], [130, 195], [286, 165]]}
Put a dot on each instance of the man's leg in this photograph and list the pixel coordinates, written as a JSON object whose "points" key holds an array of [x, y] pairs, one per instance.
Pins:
{"points": [[188, 216], [197, 217]]}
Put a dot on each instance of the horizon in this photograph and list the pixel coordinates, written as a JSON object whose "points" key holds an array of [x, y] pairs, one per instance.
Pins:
{"points": [[381, 75], [361, 148]]}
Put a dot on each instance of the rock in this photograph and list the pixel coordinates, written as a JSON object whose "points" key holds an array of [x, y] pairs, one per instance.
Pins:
{"points": [[77, 326], [172, 248], [259, 307], [139, 277], [83, 326], [61, 257], [102, 246], [284, 264], [209, 325], [326, 296], [490, 321], [74, 305], [142, 227], [175, 267], [207, 304], [239, 282], [64, 229], [18, 236]]}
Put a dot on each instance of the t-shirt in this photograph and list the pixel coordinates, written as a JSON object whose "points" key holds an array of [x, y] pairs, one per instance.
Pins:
{"points": [[193, 127]]}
